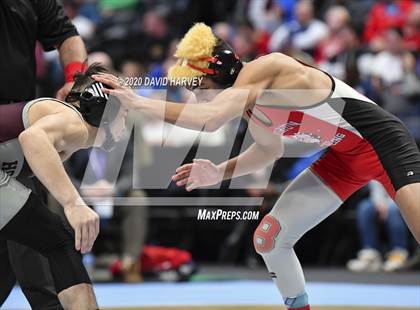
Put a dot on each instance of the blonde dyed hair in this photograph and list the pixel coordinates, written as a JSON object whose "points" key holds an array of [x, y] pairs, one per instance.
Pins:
{"points": [[198, 43]]}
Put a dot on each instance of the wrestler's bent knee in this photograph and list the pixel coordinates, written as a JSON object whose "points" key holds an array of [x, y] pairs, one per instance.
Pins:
{"points": [[265, 235]]}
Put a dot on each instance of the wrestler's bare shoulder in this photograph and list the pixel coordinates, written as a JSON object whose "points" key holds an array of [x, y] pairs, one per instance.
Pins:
{"points": [[63, 121], [49, 106], [260, 70], [300, 84], [276, 71]]}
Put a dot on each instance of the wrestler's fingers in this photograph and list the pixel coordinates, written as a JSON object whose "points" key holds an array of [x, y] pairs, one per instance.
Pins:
{"points": [[91, 235], [108, 76], [184, 167], [116, 83], [85, 238], [118, 80], [111, 82], [191, 185], [109, 91], [77, 238], [182, 182], [97, 226], [180, 175]]}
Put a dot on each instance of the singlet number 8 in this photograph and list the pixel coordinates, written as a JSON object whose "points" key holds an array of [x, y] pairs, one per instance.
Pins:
{"points": [[265, 234]]}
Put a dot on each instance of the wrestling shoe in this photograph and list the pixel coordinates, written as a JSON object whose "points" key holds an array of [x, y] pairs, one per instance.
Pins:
{"points": [[368, 260], [396, 259]]}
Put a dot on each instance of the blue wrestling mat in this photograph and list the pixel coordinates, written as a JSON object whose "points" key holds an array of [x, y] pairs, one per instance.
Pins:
{"points": [[241, 293]]}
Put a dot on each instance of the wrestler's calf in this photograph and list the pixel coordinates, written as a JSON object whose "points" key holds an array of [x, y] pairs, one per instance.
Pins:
{"points": [[78, 297]]}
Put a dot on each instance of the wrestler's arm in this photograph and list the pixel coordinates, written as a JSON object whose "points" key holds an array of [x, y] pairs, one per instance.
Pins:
{"points": [[41, 143], [263, 152], [202, 172], [229, 104], [210, 116], [266, 149]]}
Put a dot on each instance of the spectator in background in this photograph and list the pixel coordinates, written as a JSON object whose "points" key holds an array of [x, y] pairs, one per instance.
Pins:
{"points": [[151, 42], [386, 14], [287, 8], [339, 52], [224, 31], [90, 10], [386, 66], [244, 43], [265, 15], [305, 33], [119, 22], [102, 58], [84, 25], [132, 68], [411, 29], [331, 53], [369, 258], [392, 76]]}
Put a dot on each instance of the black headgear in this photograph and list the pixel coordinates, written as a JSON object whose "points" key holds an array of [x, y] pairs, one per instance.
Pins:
{"points": [[226, 66], [96, 107], [93, 103]]}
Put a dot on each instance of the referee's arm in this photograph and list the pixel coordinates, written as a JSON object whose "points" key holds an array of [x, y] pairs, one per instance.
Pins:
{"points": [[55, 30], [73, 57]]}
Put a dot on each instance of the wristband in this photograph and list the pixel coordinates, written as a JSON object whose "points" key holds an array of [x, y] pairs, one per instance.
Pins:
{"points": [[72, 68]]}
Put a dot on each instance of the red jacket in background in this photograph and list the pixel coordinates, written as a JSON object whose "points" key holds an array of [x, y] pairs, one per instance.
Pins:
{"points": [[382, 17]]}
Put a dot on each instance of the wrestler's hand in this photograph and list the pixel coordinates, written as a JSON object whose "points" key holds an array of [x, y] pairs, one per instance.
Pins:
{"points": [[122, 92], [201, 172], [85, 223], [63, 91]]}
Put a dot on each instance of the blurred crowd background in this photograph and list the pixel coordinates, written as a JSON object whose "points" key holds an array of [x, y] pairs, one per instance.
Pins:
{"points": [[371, 45]]}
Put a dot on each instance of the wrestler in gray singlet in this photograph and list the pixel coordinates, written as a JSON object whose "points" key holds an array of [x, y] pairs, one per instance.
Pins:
{"points": [[14, 118]]}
